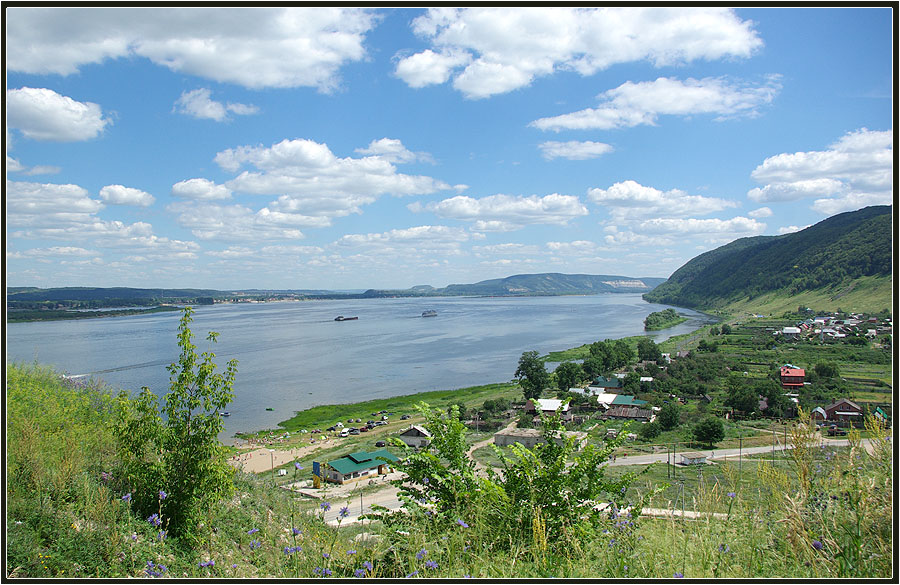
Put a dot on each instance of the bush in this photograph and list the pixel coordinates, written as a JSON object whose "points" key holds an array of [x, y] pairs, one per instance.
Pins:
{"points": [[709, 431]]}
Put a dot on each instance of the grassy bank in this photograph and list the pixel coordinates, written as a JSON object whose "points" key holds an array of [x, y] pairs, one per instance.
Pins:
{"points": [[327, 415], [22, 316]]}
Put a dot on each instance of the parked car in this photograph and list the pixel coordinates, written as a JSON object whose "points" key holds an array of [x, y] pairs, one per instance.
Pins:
{"points": [[384, 417], [364, 429], [344, 432], [370, 422], [359, 420], [330, 429], [835, 431], [354, 431], [379, 443], [404, 417]]}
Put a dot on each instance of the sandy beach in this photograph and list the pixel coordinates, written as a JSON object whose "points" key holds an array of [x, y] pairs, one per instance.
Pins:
{"points": [[260, 459]]}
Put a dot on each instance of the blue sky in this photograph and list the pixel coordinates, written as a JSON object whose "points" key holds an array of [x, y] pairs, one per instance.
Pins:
{"points": [[347, 148]]}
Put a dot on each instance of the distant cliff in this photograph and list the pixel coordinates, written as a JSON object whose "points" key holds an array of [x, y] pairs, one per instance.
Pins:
{"points": [[534, 285], [831, 253]]}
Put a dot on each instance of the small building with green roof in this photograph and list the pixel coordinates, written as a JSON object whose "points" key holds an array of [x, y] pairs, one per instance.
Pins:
{"points": [[355, 466]]}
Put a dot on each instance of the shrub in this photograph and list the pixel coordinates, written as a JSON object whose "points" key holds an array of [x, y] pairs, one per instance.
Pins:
{"points": [[709, 431], [178, 467]]}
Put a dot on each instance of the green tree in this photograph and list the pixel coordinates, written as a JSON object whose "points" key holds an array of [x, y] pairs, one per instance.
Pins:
{"points": [[647, 350], [649, 431], [532, 375], [828, 369], [726, 329], [179, 466], [668, 417], [709, 431], [568, 374]]}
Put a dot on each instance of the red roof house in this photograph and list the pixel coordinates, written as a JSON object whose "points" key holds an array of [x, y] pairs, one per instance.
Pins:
{"points": [[792, 377]]}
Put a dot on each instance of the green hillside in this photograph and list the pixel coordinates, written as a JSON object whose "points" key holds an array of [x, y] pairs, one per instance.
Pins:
{"points": [[829, 258]]}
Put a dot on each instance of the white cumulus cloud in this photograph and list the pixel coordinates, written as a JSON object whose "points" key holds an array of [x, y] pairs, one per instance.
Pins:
{"points": [[121, 195], [628, 200], [200, 189], [43, 114], [574, 150], [255, 47], [507, 212], [198, 103], [854, 172], [493, 50], [633, 104]]}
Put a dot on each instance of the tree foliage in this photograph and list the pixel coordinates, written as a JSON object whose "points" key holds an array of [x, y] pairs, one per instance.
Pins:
{"points": [[568, 374], [668, 417], [532, 374], [181, 456], [648, 350], [709, 431]]}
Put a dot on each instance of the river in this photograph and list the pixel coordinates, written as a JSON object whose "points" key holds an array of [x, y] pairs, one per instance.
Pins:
{"points": [[293, 355]]}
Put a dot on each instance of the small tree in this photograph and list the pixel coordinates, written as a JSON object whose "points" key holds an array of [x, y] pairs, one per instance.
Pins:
{"points": [[179, 466], [650, 431], [567, 375], [709, 431], [532, 375], [668, 417]]}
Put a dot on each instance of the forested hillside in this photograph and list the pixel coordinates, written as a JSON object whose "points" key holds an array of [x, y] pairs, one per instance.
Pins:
{"points": [[831, 253]]}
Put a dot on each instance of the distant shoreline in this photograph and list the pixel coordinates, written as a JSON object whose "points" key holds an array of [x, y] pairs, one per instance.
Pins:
{"points": [[33, 316]]}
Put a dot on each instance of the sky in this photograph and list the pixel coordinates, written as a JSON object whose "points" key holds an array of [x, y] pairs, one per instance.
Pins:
{"points": [[351, 148]]}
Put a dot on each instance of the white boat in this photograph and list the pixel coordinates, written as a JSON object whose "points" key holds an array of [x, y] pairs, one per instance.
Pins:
{"points": [[429, 313]]}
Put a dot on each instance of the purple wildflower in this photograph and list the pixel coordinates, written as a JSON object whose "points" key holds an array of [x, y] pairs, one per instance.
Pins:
{"points": [[208, 563], [345, 511], [162, 495], [296, 531], [326, 555], [731, 494], [126, 497], [351, 552], [162, 534], [253, 531], [421, 554], [359, 573], [462, 523], [134, 536], [678, 576], [413, 574], [298, 466], [325, 506], [431, 565], [154, 520], [367, 564], [105, 476], [255, 544], [817, 544]]}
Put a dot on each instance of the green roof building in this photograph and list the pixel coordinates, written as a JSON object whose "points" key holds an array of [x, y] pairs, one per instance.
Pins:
{"points": [[627, 400], [355, 466]]}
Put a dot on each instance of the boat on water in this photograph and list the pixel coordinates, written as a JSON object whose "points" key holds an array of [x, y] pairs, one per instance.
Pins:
{"points": [[226, 413], [342, 318], [429, 313]]}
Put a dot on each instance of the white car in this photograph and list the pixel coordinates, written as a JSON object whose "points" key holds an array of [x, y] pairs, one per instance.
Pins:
{"points": [[344, 432]]}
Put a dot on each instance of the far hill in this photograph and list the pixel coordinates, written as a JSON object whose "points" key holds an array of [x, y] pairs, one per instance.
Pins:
{"points": [[831, 258], [537, 284]]}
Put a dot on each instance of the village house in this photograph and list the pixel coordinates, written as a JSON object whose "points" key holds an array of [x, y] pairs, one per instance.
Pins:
{"points": [[693, 459], [629, 413], [792, 377], [416, 437], [607, 384], [355, 466], [529, 438], [548, 406], [842, 412]]}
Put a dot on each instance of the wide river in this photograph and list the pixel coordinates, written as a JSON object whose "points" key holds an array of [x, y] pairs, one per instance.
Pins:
{"points": [[293, 355]]}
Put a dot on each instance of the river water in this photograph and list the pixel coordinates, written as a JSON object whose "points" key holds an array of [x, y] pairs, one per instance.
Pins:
{"points": [[293, 355]]}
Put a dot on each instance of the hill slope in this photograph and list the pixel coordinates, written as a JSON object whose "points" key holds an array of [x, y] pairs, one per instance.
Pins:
{"points": [[553, 283], [828, 255]]}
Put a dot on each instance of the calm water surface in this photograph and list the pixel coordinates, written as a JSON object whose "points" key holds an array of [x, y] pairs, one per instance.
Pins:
{"points": [[293, 355]]}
